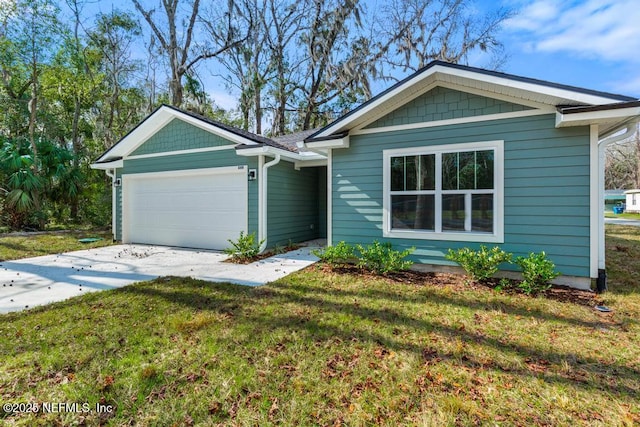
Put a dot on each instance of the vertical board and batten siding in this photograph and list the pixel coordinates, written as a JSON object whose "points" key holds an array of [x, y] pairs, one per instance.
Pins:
{"points": [[546, 185], [444, 104], [292, 206]]}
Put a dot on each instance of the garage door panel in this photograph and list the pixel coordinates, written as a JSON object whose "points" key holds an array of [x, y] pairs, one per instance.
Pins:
{"points": [[199, 211]]}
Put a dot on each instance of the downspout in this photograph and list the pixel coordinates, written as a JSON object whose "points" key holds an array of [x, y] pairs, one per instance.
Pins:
{"points": [[111, 173], [263, 208], [601, 283]]}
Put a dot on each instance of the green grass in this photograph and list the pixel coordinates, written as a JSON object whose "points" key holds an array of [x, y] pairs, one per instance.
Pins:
{"points": [[318, 348], [14, 246], [624, 215]]}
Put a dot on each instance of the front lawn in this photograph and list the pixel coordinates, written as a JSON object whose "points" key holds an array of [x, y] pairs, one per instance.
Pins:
{"points": [[624, 215], [25, 245], [322, 348]]}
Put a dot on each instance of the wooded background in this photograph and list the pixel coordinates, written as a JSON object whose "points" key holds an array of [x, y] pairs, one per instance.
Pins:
{"points": [[73, 81]]}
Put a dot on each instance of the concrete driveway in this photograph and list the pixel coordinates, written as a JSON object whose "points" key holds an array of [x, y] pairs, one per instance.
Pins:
{"points": [[35, 281]]}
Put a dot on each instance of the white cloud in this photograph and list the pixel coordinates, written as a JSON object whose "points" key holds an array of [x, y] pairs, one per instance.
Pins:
{"points": [[225, 100], [606, 29]]}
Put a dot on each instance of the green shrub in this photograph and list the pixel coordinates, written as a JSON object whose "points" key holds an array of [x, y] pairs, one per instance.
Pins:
{"points": [[480, 265], [537, 272], [381, 258], [336, 256], [245, 248]]}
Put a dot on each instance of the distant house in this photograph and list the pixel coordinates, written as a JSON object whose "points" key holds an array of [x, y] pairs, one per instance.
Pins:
{"points": [[452, 156], [613, 198], [633, 201]]}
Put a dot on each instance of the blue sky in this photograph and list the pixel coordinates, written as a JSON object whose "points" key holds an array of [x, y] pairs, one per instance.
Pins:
{"points": [[591, 43]]}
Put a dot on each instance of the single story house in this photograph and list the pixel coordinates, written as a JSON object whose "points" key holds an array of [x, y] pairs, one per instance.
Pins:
{"points": [[451, 156], [633, 201]]}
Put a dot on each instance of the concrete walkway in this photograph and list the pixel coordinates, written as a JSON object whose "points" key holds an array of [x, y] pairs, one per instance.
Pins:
{"points": [[41, 280], [622, 221]]}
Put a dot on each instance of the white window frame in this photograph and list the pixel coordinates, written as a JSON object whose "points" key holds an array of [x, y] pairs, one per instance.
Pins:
{"points": [[460, 236]]}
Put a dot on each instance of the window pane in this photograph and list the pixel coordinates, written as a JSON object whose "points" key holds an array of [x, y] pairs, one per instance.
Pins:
{"points": [[466, 170], [428, 172], [413, 212], [484, 177], [453, 212], [482, 212], [411, 176], [397, 174], [449, 171]]}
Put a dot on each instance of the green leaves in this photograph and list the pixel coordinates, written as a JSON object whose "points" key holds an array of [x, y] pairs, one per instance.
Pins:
{"points": [[245, 249], [538, 271], [377, 257], [480, 265]]}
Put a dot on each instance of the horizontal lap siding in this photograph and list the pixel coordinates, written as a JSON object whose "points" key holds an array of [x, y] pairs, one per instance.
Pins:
{"points": [[293, 204], [546, 188], [209, 159]]}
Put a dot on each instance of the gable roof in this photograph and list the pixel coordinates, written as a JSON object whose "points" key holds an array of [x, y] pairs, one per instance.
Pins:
{"points": [[164, 114], [532, 92]]}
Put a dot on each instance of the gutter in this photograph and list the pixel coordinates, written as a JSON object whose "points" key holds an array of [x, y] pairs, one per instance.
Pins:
{"points": [[262, 226]]}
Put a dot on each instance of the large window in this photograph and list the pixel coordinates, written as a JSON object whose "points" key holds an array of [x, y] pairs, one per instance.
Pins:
{"points": [[450, 192]]}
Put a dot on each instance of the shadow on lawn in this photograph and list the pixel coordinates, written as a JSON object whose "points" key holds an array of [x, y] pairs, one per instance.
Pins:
{"points": [[611, 378]]}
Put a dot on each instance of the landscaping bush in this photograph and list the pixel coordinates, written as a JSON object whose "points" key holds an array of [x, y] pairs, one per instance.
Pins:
{"points": [[537, 272], [245, 248], [482, 264], [381, 258], [336, 256]]}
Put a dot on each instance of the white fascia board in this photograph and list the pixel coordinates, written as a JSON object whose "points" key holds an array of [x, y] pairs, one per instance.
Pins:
{"points": [[287, 155], [513, 86], [157, 121], [328, 143], [116, 164], [592, 117], [310, 163]]}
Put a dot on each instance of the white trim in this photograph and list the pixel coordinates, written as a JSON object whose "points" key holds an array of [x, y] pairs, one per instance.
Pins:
{"points": [[265, 206], [178, 152], [441, 73], [498, 218], [159, 119], [114, 164], [309, 163], [578, 119], [596, 212], [111, 173], [287, 155], [448, 122], [328, 143], [329, 197], [186, 172], [260, 197], [126, 179]]}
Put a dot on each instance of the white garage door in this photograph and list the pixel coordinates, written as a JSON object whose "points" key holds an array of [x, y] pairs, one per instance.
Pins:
{"points": [[194, 209]]}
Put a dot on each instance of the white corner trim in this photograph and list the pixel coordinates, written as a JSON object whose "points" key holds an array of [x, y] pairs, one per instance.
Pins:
{"points": [[329, 197], [498, 218], [178, 152], [596, 202], [449, 122]]}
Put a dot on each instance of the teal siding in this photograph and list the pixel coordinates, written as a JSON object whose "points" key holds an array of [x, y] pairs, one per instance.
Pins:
{"points": [[546, 185], [322, 202], [443, 104], [178, 135], [293, 206], [209, 159]]}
